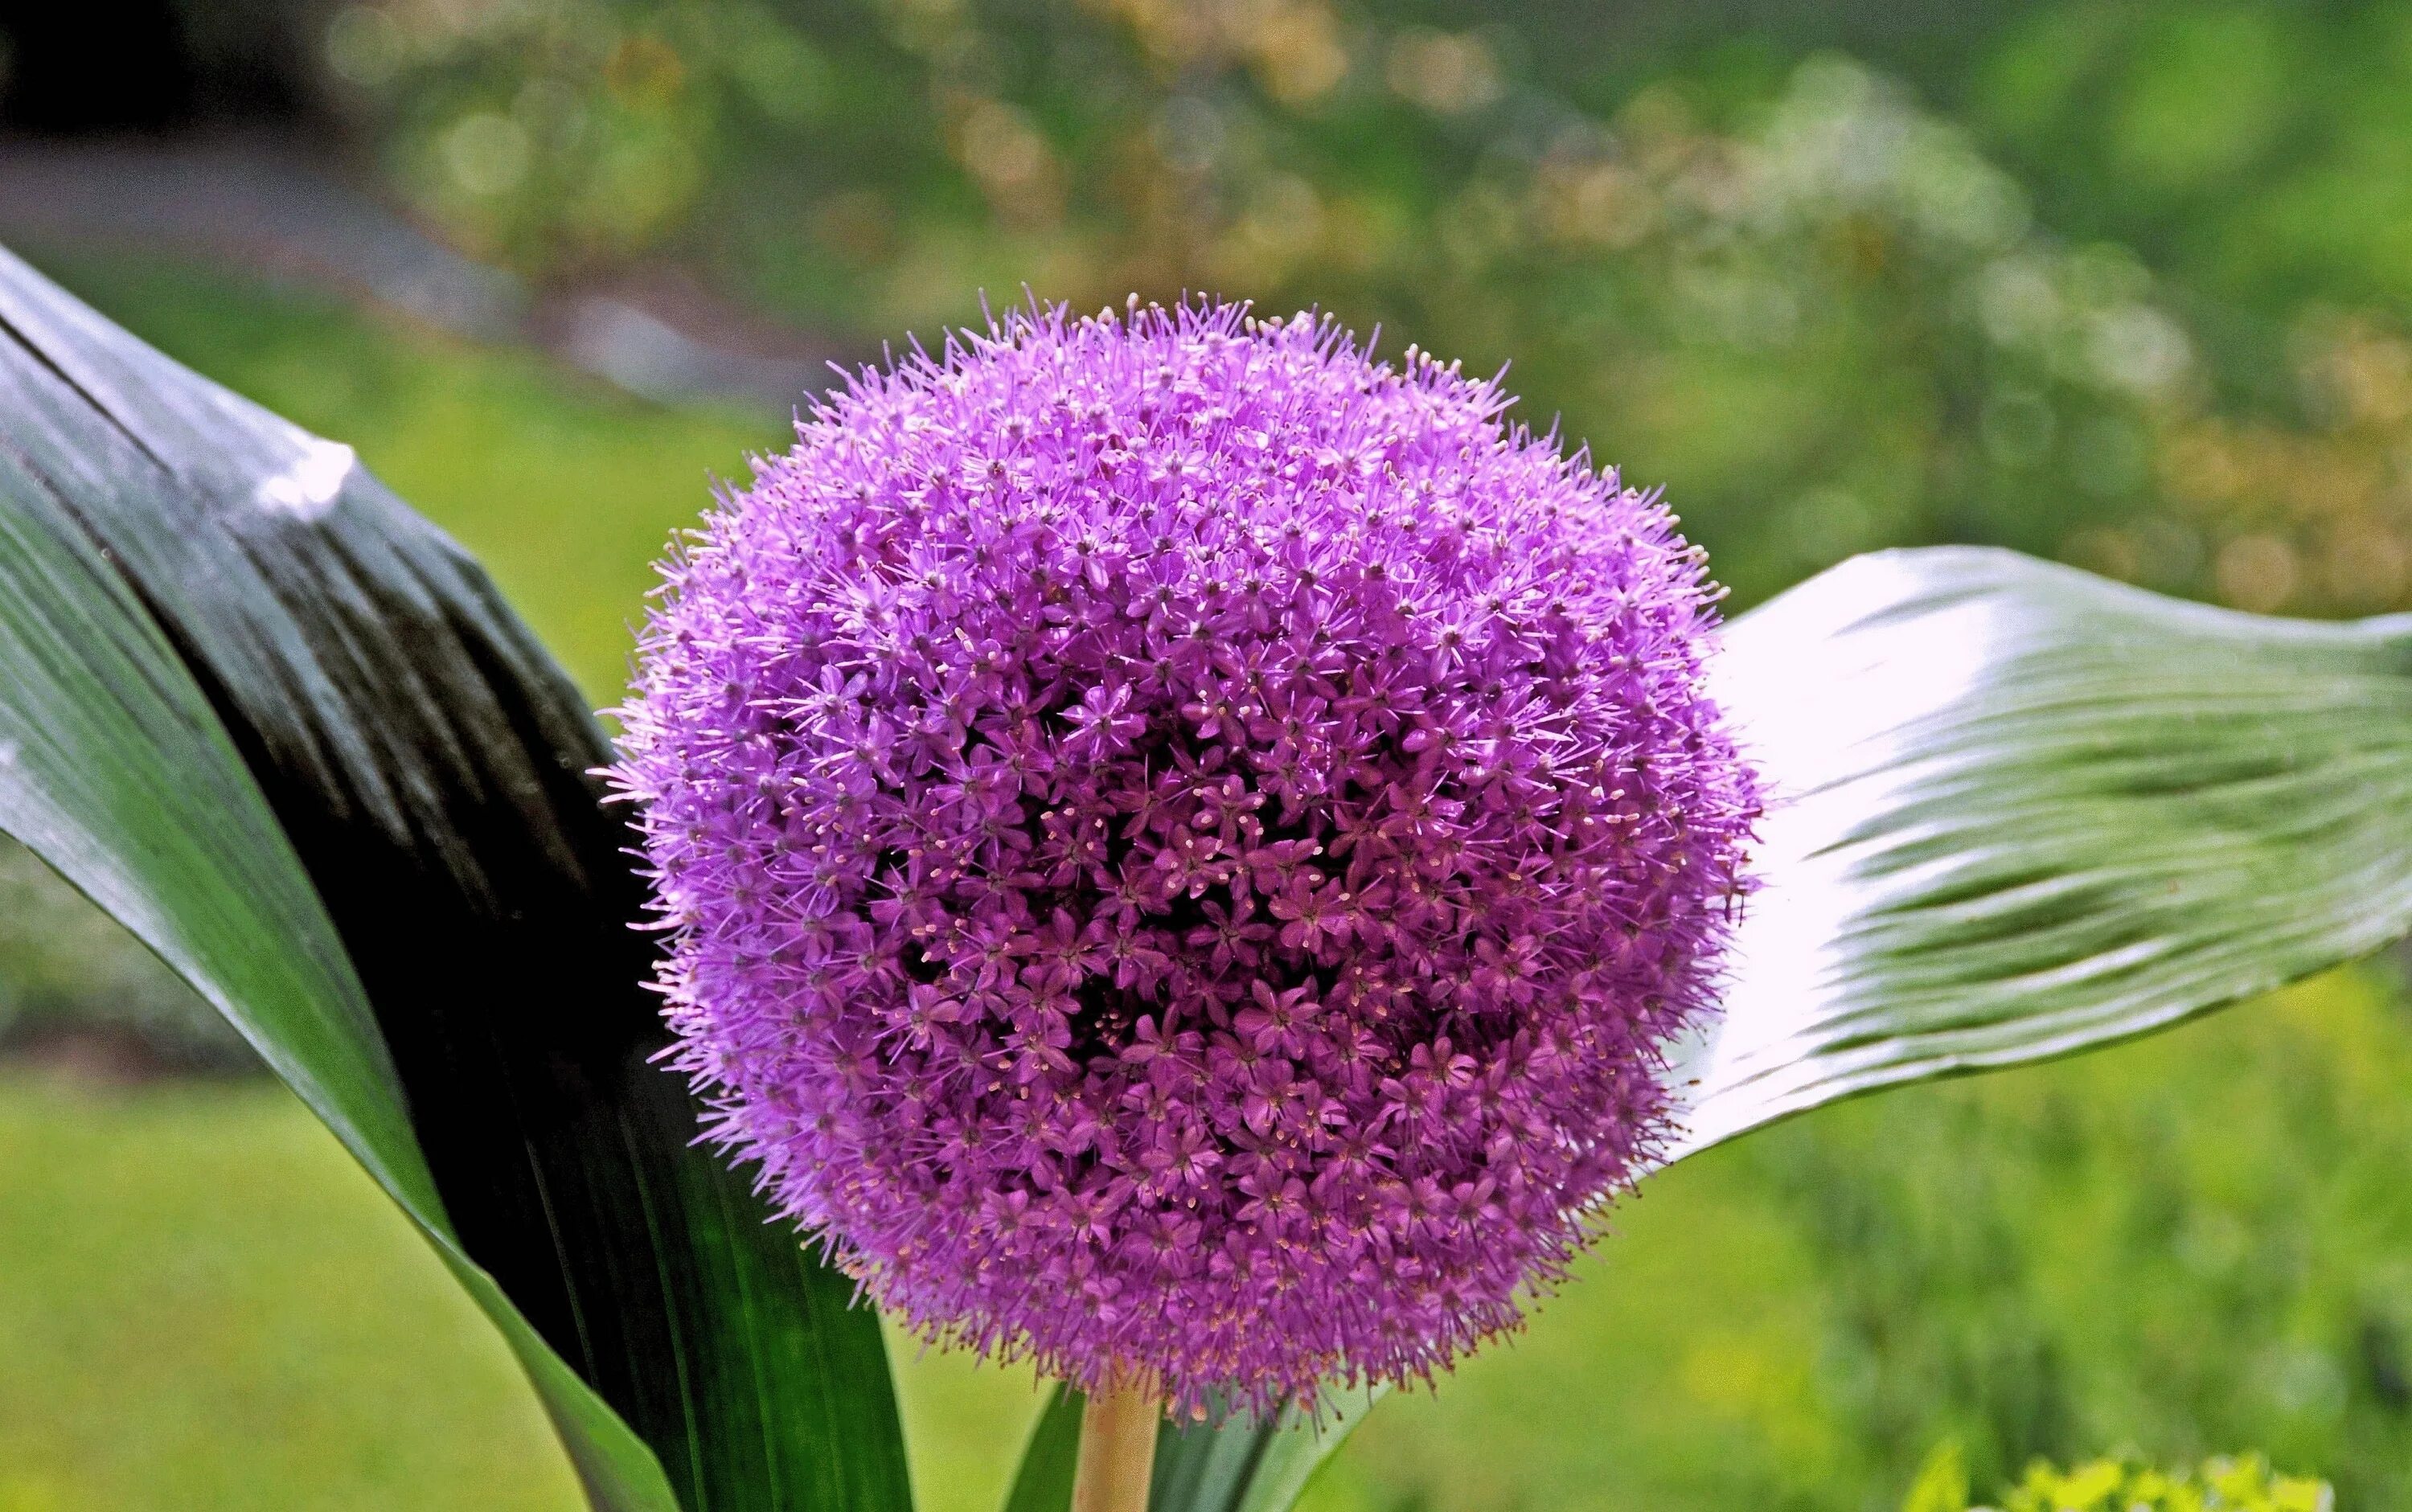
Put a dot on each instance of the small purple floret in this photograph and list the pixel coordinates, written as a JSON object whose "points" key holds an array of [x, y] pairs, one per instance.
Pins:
{"points": [[1182, 844]]}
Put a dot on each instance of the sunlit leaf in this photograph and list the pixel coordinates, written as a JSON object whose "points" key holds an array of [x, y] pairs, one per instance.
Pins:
{"points": [[287, 733], [2021, 810]]}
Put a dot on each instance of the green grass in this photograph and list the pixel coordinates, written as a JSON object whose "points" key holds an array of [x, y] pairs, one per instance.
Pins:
{"points": [[206, 1307], [2199, 1243]]}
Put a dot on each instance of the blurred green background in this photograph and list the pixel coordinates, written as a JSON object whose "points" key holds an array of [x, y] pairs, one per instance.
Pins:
{"points": [[2125, 283]]}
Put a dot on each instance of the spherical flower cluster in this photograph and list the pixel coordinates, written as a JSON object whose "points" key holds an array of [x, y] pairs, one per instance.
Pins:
{"points": [[1182, 843]]}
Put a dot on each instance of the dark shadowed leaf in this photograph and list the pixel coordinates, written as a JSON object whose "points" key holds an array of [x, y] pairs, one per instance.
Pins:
{"points": [[2018, 811], [1044, 1481], [287, 731]]}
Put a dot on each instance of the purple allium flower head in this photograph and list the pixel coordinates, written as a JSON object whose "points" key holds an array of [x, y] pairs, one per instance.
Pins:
{"points": [[1182, 843]]}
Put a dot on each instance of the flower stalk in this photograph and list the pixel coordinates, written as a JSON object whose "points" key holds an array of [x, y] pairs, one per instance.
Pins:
{"points": [[1117, 1450]]}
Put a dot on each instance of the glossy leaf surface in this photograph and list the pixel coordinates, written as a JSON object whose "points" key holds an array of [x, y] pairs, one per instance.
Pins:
{"points": [[2021, 810], [288, 732]]}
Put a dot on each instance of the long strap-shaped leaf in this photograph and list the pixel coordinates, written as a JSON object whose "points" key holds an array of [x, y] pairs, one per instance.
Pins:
{"points": [[287, 731], [2018, 812], [2021, 810]]}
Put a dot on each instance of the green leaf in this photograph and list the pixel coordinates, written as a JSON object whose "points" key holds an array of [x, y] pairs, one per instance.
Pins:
{"points": [[288, 732], [2222, 1484], [1243, 1466], [2018, 812], [2021, 811], [1240, 1464], [1044, 1481], [1942, 1484]]}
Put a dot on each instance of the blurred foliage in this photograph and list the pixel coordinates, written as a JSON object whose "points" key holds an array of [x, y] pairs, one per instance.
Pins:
{"points": [[2246, 1484], [1813, 307], [2258, 150], [2224, 1484]]}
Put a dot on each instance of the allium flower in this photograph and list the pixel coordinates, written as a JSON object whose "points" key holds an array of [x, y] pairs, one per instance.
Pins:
{"points": [[1183, 842]]}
